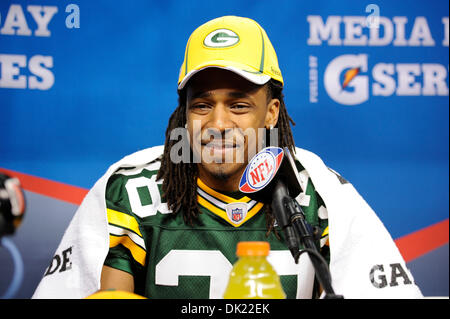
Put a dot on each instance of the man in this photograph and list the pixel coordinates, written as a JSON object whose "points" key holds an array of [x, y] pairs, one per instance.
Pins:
{"points": [[174, 224]]}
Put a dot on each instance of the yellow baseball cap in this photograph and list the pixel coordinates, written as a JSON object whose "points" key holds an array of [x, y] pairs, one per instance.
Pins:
{"points": [[233, 43]]}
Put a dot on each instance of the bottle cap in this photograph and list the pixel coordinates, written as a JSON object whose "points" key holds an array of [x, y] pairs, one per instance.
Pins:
{"points": [[253, 248]]}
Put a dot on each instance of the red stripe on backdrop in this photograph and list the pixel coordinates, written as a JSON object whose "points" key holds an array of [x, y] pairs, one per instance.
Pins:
{"points": [[420, 242], [411, 246], [46, 187]]}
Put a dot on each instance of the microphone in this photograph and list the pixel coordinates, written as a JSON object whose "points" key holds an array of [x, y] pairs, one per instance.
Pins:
{"points": [[12, 204], [271, 177]]}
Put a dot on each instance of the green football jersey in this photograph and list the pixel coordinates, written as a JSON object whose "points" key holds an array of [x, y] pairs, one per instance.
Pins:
{"points": [[170, 259]]}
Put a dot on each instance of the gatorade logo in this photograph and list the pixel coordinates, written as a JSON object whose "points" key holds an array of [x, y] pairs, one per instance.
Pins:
{"points": [[221, 38], [354, 88]]}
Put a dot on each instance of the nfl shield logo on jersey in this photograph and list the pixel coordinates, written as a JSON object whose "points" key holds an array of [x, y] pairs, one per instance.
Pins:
{"points": [[236, 212]]}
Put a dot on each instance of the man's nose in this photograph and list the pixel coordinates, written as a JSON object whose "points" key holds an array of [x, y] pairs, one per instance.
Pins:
{"points": [[219, 118]]}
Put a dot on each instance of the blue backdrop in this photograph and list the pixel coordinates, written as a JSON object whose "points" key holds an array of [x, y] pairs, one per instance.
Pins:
{"points": [[85, 83]]}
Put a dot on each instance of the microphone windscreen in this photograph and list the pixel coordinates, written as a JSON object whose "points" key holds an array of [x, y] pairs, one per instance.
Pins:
{"points": [[265, 169]]}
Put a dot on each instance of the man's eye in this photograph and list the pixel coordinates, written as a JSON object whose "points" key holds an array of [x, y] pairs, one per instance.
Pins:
{"points": [[199, 107], [239, 107]]}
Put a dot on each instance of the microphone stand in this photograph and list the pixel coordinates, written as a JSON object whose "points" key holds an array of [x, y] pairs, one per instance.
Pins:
{"points": [[291, 218]]}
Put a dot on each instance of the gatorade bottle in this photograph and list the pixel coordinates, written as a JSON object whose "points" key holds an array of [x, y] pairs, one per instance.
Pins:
{"points": [[252, 276]]}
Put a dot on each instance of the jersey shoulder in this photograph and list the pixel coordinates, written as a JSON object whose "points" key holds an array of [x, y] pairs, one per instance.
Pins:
{"points": [[313, 206], [132, 194], [135, 188]]}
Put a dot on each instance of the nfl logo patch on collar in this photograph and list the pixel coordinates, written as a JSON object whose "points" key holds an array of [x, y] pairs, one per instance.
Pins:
{"points": [[236, 212]]}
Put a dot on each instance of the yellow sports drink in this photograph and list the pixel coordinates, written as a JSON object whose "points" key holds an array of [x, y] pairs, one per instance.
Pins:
{"points": [[252, 276], [114, 294]]}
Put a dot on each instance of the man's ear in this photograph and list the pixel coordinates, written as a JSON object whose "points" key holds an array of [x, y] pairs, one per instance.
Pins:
{"points": [[273, 110]]}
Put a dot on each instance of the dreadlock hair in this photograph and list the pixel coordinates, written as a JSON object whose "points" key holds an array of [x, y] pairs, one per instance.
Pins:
{"points": [[180, 179]]}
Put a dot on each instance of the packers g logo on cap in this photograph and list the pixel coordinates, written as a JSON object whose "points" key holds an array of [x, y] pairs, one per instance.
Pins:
{"points": [[221, 38]]}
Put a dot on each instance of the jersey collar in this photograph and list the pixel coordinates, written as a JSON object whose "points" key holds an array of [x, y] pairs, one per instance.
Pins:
{"points": [[235, 211]]}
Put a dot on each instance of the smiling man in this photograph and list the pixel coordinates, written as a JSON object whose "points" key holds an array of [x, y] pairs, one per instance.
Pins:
{"points": [[165, 228], [229, 111], [230, 98]]}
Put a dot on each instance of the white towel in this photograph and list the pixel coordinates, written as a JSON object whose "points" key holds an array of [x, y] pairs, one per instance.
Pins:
{"points": [[364, 261], [86, 241]]}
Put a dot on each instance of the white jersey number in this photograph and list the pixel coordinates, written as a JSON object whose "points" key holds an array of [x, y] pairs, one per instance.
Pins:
{"points": [[143, 211], [213, 263]]}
